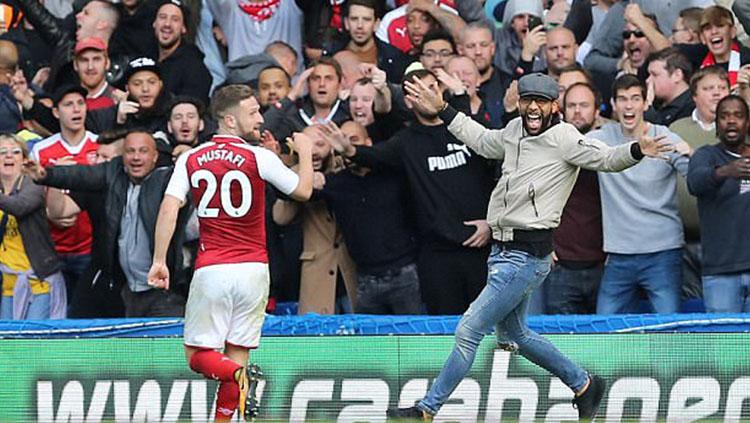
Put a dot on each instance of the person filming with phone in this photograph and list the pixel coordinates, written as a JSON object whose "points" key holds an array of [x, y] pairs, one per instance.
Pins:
{"points": [[521, 38]]}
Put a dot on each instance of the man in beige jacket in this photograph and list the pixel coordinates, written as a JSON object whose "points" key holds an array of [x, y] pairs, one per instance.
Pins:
{"points": [[328, 277], [542, 158]]}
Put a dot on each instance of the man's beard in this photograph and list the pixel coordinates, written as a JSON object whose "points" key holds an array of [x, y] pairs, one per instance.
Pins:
{"points": [[251, 138], [485, 69], [170, 44], [585, 128], [547, 122], [362, 43]]}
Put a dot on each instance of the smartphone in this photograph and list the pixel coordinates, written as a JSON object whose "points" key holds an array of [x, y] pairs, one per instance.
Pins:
{"points": [[534, 21]]}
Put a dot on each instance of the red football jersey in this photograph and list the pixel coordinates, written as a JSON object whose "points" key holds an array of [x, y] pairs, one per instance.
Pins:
{"points": [[101, 100], [77, 238], [227, 179]]}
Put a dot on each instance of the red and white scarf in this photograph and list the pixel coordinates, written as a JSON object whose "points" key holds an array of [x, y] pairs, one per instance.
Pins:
{"points": [[734, 63]]}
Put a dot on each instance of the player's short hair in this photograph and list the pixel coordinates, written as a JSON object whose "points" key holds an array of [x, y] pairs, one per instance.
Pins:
{"points": [[718, 71], [594, 91], [228, 97], [627, 81]]}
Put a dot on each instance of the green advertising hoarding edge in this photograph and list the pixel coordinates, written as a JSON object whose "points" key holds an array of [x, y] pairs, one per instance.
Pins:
{"points": [[652, 377]]}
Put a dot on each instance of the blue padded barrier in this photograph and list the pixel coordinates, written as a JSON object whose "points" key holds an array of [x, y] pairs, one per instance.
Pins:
{"points": [[379, 325]]}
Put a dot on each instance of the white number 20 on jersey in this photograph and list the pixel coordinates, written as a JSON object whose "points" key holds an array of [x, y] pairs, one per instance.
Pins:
{"points": [[225, 193]]}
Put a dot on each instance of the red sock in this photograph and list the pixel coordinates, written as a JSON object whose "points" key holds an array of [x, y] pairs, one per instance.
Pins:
{"points": [[227, 400], [214, 365]]}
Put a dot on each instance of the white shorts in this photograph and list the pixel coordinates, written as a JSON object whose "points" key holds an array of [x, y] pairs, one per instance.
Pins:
{"points": [[227, 303]]}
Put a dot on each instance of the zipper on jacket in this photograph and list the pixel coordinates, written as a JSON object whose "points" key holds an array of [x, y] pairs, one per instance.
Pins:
{"points": [[532, 196], [507, 181], [96, 277]]}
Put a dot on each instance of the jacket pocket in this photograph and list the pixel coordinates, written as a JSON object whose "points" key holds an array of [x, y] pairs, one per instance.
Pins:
{"points": [[532, 197], [307, 256]]}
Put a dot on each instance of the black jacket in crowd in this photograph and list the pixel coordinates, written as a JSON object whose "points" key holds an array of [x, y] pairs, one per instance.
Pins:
{"points": [[449, 183], [373, 215], [110, 182], [666, 114], [26, 204], [284, 118], [134, 36], [492, 92], [184, 72]]}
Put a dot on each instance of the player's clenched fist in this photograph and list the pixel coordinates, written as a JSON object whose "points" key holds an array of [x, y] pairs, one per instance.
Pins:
{"points": [[302, 144]]}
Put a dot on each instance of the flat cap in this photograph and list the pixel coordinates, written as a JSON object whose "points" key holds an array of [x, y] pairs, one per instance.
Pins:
{"points": [[538, 84]]}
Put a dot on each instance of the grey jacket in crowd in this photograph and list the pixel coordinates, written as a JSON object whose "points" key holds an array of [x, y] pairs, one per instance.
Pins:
{"points": [[27, 205]]}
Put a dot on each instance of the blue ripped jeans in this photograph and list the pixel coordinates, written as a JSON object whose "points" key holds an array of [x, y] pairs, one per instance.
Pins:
{"points": [[512, 277]]}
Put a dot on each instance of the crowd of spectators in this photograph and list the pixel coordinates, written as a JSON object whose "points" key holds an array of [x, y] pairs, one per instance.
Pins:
{"points": [[98, 98]]}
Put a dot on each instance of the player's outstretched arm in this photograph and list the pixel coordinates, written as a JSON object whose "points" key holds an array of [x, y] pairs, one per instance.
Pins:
{"points": [[303, 146], [158, 276]]}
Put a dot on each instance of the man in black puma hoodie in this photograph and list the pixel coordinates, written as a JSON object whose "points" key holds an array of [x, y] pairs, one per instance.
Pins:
{"points": [[450, 187]]}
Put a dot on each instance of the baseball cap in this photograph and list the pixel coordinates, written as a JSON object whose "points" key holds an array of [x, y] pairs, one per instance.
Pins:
{"points": [[92, 43], [67, 89], [141, 64], [538, 84], [413, 66]]}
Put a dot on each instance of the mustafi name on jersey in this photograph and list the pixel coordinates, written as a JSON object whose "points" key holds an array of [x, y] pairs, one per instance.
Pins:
{"points": [[220, 154]]}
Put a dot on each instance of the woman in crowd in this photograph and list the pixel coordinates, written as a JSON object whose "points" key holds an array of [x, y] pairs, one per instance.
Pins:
{"points": [[33, 287]]}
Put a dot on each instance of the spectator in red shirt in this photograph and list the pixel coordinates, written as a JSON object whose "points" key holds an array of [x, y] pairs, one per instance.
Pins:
{"points": [[72, 145], [91, 63]]}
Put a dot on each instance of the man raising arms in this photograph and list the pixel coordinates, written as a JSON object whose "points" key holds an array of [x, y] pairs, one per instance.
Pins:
{"points": [[229, 291], [544, 157]]}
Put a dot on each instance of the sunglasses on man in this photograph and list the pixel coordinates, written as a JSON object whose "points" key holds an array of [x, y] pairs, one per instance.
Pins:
{"points": [[627, 34]]}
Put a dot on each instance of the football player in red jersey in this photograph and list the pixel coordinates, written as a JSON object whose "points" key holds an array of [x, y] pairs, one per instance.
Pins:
{"points": [[229, 290]]}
